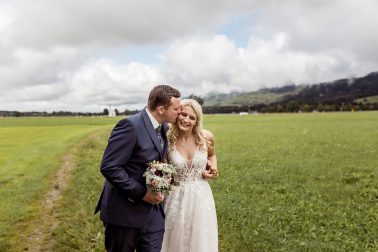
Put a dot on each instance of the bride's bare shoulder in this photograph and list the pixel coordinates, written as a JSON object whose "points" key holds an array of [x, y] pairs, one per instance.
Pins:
{"points": [[207, 134]]}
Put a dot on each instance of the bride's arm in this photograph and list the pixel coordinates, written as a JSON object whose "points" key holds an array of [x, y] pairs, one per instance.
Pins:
{"points": [[211, 156]]}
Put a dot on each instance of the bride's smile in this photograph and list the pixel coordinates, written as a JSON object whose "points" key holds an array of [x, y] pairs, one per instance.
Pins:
{"points": [[187, 119]]}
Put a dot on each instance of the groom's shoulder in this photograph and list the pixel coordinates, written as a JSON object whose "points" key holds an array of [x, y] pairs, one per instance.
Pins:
{"points": [[131, 119]]}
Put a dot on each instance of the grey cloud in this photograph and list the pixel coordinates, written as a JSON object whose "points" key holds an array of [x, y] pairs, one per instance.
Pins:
{"points": [[44, 23], [316, 26], [56, 50], [25, 67]]}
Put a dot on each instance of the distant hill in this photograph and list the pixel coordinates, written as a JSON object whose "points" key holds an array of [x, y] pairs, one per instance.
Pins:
{"points": [[340, 95], [265, 96], [353, 92]]}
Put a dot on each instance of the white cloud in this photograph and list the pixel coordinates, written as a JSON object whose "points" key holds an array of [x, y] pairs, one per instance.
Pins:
{"points": [[324, 25], [102, 82], [27, 67], [216, 64], [62, 55], [7, 17]]}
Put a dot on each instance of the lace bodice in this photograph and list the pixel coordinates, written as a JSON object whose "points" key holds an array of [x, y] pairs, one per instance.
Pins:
{"points": [[191, 219], [188, 170]]}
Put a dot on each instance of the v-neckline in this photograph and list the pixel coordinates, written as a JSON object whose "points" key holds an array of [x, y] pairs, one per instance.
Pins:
{"points": [[186, 160]]}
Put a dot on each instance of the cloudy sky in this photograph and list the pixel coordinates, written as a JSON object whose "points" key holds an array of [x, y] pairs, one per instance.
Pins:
{"points": [[82, 55]]}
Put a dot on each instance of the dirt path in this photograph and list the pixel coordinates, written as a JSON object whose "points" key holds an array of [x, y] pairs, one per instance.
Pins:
{"points": [[39, 232]]}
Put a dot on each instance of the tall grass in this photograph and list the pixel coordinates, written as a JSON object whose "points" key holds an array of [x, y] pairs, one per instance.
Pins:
{"points": [[80, 229], [31, 150], [297, 182], [288, 182]]}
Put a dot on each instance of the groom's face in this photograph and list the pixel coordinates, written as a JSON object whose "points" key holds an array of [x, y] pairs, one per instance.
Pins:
{"points": [[171, 113]]}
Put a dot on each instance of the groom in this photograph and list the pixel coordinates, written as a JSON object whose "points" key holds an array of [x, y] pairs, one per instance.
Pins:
{"points": [[132, 215]]}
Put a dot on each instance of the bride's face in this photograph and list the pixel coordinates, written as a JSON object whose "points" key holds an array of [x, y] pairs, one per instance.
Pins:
{"points": [[187, 119]]}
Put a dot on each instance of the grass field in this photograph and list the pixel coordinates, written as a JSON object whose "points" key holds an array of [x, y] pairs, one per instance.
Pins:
{"points": [[288, 182], [31, 150]]}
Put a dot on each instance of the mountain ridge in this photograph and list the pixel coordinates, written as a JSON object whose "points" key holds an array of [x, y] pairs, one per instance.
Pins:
{"points": [[339, 91]]}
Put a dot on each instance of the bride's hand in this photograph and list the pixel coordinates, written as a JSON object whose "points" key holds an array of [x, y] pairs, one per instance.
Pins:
{"points": [[209, 165], [210, 174]]}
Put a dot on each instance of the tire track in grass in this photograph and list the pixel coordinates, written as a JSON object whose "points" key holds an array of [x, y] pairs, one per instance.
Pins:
{"points": [[39, 233]]}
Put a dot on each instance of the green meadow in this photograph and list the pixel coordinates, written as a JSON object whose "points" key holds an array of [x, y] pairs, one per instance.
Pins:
{"points": [[288, 182], [31, 150]]}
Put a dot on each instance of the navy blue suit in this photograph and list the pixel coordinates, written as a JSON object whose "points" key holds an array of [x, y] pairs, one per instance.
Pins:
{"points": [[132, 144]]}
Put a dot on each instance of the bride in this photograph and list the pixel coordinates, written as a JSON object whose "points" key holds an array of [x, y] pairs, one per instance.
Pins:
{"points": [[191, 221]]}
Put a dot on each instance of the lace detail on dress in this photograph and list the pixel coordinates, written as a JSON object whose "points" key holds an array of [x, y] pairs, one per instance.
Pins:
{"points": [[188, 170], [191, 222]]}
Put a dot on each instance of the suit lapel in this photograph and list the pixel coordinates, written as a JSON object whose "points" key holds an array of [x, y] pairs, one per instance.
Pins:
{"points": [[151, 131]]}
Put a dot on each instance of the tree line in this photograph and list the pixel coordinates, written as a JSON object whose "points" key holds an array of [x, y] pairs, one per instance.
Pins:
{"points": [[341, 95], [105, 112]]}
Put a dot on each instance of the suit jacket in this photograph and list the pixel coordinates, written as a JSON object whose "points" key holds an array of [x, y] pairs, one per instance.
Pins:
{"points": [[132, 144]]}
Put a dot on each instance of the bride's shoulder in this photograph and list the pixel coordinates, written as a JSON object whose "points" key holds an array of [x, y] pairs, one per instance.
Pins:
{"points": [[209, 139], [207, 134]]}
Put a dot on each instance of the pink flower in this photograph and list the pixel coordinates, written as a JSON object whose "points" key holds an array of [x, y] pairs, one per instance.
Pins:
{"points": [[153, 183]]}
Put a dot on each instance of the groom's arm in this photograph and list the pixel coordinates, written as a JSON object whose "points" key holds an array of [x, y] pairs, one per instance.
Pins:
{"points": [[116, 156]]}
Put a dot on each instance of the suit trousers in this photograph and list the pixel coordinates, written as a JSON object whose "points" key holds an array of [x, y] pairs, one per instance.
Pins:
{"points": [[127, 239]]}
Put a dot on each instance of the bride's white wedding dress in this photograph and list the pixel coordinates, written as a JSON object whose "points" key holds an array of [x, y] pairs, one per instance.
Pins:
{"points": [[191, 221]]}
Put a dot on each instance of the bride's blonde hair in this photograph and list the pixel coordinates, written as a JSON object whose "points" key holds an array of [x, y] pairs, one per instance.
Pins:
{"points": [[197, 131]]}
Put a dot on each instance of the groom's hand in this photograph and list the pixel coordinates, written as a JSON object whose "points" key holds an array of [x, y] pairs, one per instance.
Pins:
{"points": [[152, 198]]}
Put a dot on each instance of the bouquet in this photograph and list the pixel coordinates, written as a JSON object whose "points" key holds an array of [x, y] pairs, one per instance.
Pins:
{"points": [[159, 177]]}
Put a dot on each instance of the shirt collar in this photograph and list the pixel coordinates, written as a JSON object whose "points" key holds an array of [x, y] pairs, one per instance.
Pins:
{"points": [[154, 122]]}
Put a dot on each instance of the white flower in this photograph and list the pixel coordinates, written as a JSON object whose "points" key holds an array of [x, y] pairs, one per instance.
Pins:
{"points": [[159, 176]]}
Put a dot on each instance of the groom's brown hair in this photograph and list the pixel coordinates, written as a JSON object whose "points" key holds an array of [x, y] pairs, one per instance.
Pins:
{"points": [[161, 96]]}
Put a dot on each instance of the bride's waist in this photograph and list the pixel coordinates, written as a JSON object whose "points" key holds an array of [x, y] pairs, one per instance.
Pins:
{"points": [[190, 179]]}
